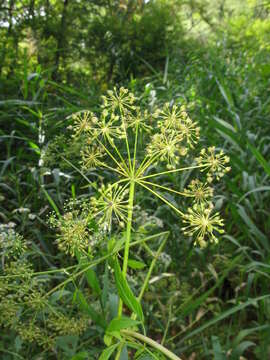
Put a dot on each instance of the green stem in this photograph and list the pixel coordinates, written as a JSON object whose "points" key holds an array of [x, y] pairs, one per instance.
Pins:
{"points": [[128, 236], [161, 198], [172, 171], [149, 273], [112, 157], [147, 161], [153, 263], [126, 139], [166, 188], [135, 149], [120, 156], [152, 343], [98, 261], [119, 351], [129, 225]]}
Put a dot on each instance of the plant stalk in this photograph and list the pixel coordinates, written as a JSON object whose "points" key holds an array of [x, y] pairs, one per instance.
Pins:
{"points": [[128, 236], [152, 343]]}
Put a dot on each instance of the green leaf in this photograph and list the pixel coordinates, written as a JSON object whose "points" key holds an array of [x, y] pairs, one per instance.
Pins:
{"points": [[258, 189], [113, 305], [93, 281], [106, 354], [241, 348], [260, 158], [105, 290], [253, 228], [34, 146], [135, 265], [125, 292], [223, 316], [190, 305], [118, 324], [225, 91], [68, 344], [124, 354], [217, 350], [108, 339], [52, 203], [246, 332], [90, 274], [80, 356], [84, 306]]}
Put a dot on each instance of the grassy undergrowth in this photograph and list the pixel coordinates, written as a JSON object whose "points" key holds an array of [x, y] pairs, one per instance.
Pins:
{"points": [[201, 303]]}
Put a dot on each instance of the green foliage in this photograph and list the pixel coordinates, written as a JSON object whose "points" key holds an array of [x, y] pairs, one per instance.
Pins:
{"points": [[135, 37], [209, 57]]}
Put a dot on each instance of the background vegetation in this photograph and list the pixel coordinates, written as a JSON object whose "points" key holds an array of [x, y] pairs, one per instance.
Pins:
{"points": [[56, 58]]}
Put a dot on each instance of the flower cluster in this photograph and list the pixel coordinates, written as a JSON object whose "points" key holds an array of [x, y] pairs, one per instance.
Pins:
{"points": [[112, 142], [74, 230], [166, 147], [177, 133], [12, 245], [198, 191], [202, 223], [214, 163], [121, 100], [111, 203], [65, 325], [82, 122], [140, 119], [176, 118], [24, 305], [91, 157]]}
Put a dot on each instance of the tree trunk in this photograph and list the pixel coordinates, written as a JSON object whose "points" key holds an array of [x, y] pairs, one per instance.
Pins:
{"points": [[8, 35], [60, 40]]}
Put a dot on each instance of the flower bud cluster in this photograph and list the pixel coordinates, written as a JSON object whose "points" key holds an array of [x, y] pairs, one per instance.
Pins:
{"points": [[74, 230], [121, 100], [176, 135], [198, 191], [110, 204], [202, 223], [216, 164]]}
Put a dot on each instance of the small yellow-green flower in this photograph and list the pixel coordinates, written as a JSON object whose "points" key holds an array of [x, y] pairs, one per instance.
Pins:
{"points": [[65, 325], [92, 157], [202, 224], [214, 163], [140, 119], [112, 202], [121, 100], [74, 232], [106, 127], [166, 147], [83, 122], [177, 119], [199, 191]]}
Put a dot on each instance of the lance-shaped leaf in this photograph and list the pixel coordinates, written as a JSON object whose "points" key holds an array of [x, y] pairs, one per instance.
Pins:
{"points": [[125, 292]]}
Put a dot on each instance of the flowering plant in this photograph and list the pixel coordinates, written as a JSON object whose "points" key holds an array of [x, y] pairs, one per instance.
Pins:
{"points": [[163, 138], [138, 148]]}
